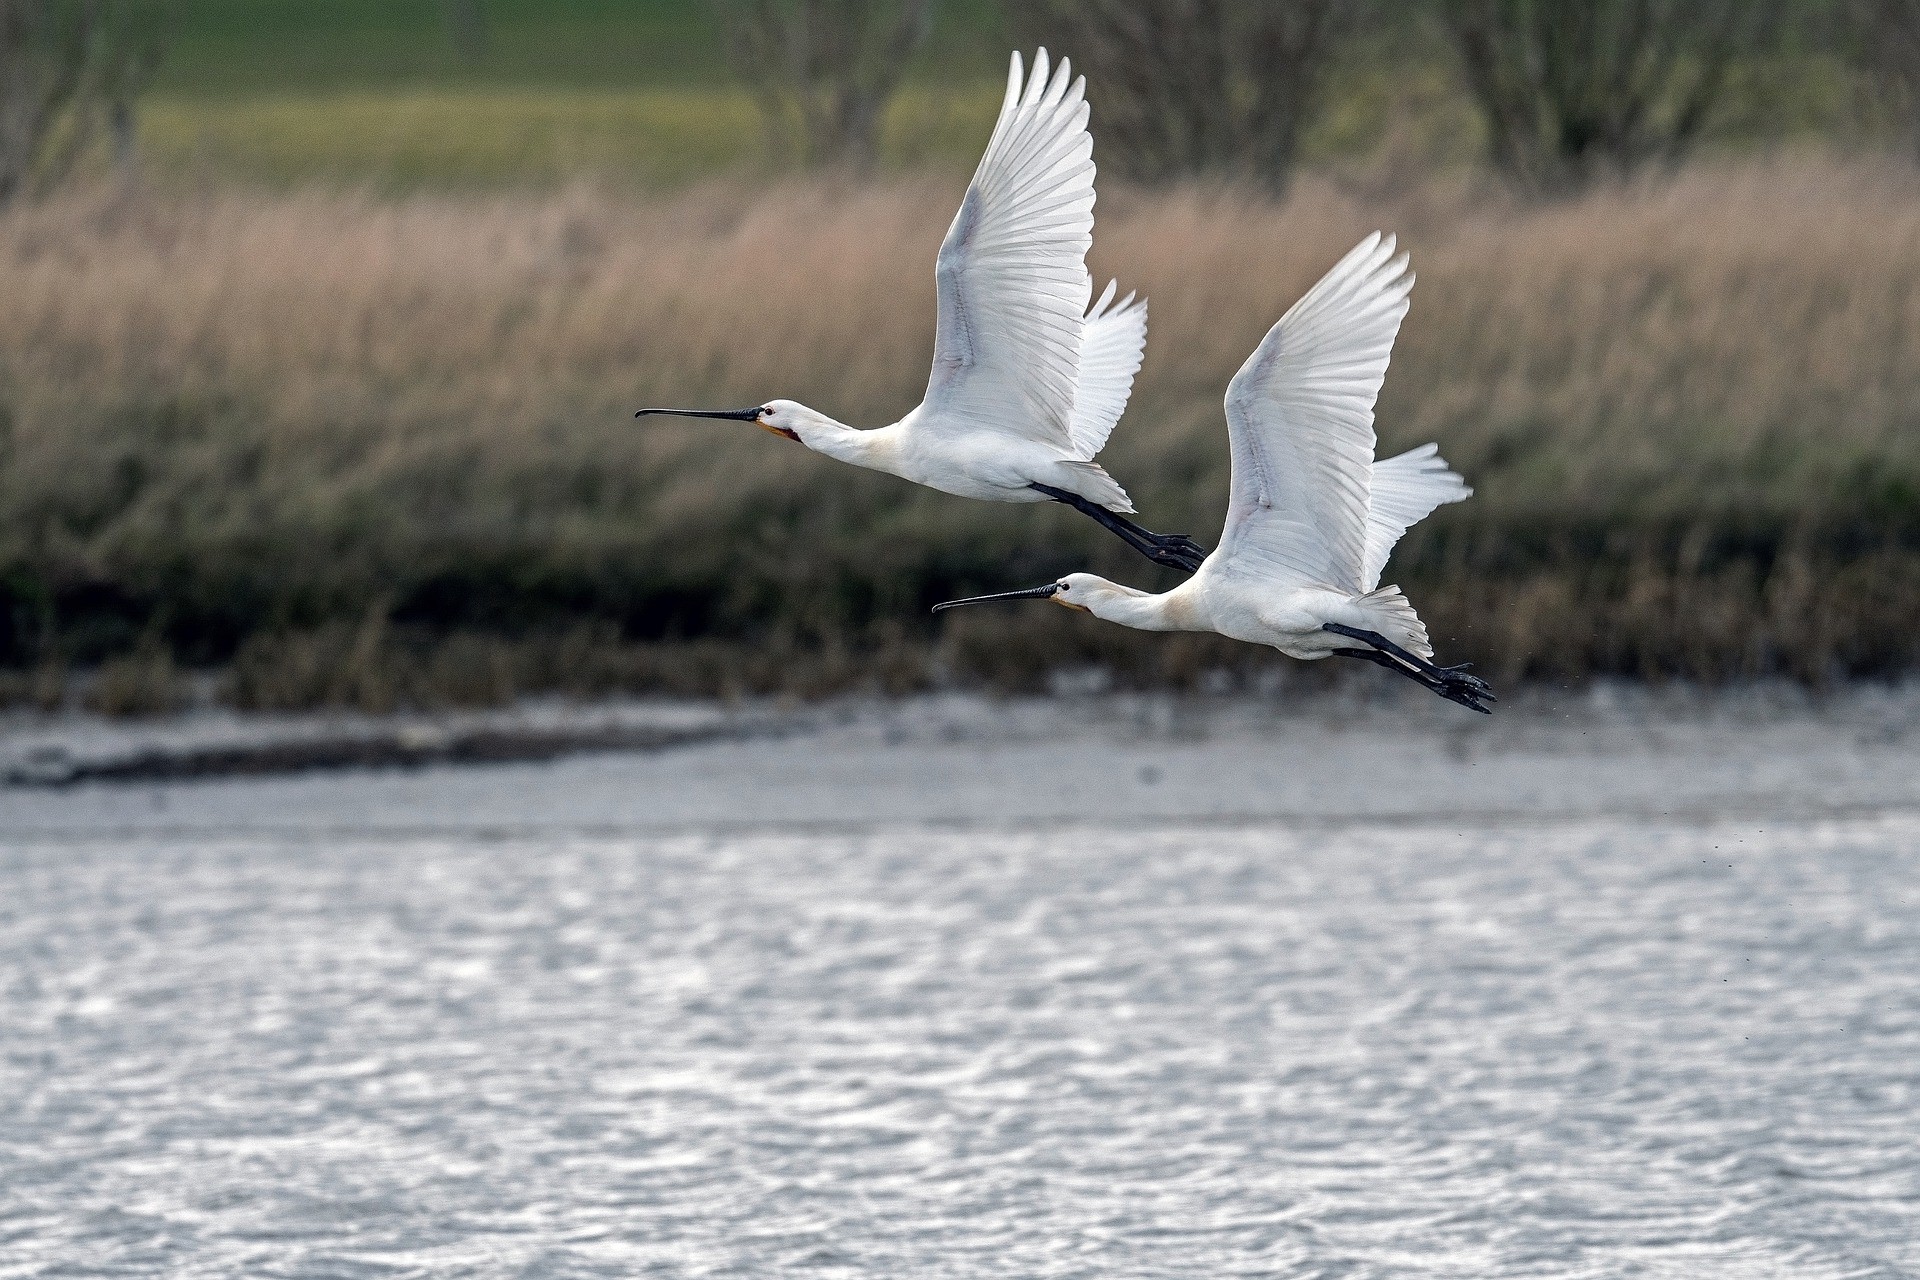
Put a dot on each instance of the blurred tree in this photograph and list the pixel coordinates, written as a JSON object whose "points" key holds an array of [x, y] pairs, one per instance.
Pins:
{"points": [[1196, 86], [467, 24], [69, 70], [1575, 89], [822, 71], [1889, 36]]}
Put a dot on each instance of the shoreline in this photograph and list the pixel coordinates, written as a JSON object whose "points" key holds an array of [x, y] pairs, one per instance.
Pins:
{"points": [[1346, 754], [69, 748]]}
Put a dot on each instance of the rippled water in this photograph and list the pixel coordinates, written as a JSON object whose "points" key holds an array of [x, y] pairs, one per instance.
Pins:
{"points": [[1569, 1049]]}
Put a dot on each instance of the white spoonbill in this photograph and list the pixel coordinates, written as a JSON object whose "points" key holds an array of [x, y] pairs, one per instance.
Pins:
{"points": [[1027, 382], [1312, 516]]}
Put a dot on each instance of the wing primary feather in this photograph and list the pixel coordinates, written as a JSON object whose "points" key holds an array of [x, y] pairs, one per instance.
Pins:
{"points": [[1300, 418], [1405, 489], [1111, 347], [1011, 272]]}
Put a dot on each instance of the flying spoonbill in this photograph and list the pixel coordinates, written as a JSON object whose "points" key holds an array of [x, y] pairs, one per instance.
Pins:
{"points": [[1312, 516], [1027, 381]]}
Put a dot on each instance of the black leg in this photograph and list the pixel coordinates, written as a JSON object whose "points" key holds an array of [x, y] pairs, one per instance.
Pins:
{"points": [[1392, 664], [1451, 683], [1379, 659], [1174, 550], [1455, 675]]}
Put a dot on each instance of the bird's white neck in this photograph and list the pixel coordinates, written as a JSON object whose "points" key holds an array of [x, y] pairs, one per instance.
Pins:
{"points": [[1140, 610], [838, 440]]}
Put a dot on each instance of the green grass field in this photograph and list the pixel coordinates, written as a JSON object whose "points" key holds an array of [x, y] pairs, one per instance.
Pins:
{"points": [[363, 93], [250, 48], [403, 139]]}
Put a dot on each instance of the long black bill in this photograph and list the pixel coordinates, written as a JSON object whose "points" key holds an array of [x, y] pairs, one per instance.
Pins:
{"points": [[1031, 593], [738, 415]]}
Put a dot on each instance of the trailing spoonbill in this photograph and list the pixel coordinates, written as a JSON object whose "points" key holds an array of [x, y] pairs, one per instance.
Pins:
{"points": [[1027, 381], [1312, 516]]}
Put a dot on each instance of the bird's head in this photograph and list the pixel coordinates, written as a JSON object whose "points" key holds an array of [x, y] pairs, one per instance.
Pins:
{"points": [[781, 417], [795, 421], [1086, 592]]}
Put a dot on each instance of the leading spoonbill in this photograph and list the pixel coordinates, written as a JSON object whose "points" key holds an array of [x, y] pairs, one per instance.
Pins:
{"points": [[1311, 516], [1027, 381]]}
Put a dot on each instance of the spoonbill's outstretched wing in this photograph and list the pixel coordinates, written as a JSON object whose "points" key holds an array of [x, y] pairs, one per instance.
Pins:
{"points": [[1111, 347], [1405, 490], [1012, 271], [1300, 417]]}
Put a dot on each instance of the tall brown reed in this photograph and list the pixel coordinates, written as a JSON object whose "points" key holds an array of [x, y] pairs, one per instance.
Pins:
{"points": [[232, 419]]}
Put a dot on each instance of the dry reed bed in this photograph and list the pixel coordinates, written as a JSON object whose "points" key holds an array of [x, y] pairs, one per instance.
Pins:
{"points": [[242, 424]]}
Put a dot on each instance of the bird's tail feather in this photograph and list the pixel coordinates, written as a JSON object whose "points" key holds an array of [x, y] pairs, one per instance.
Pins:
{"points": [[1391, 614], [1404, 490], [1095, 485]]}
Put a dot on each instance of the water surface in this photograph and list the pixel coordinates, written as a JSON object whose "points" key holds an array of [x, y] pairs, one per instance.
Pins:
{"points": [[1492, 1046]]}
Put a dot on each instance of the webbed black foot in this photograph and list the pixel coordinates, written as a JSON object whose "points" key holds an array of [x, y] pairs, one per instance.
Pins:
{"points": [[1457, 676], [1177, 551], [1173, 550], [1452, 683]]}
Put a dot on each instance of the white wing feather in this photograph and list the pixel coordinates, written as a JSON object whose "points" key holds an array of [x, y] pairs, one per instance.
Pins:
{"points": [[1012, 271], [1111, 347], [1300, 418], [1405, 490]]}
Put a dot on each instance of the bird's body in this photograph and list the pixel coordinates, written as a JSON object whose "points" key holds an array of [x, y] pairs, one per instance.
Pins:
{"points": [[1291, 620], [1312, 516], [991, 466], [1027, 381]]}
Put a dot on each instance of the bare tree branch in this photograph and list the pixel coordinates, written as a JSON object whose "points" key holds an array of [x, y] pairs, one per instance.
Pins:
{"points": [[1196, 86], [1575, 89], [822, 71], [1889, 39], [467, 25], [69, 69]]}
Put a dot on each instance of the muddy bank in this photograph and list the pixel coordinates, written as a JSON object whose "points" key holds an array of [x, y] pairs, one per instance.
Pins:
{"points": [[1331, 757], [61, 751]]}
